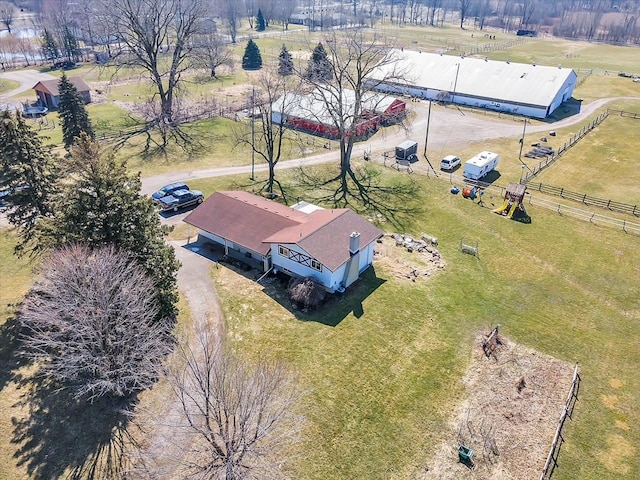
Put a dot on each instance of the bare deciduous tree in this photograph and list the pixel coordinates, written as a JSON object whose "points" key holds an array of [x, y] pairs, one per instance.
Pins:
{"points": [[283, 10], [464, 7], [241, 418], [90, 322], [231, 11], [6, 14], [353, 57], [265, 136], [156, 36], [213, 52], [306, 292]]}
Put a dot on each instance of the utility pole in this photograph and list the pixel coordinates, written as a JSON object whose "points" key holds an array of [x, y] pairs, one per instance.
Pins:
{"points": [[455, 84], [524, 129], [253, 133], [426, 139]]}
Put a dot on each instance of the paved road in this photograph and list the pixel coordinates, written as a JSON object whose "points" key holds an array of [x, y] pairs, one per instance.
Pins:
{"points": [[450, 129], [27, 80]]}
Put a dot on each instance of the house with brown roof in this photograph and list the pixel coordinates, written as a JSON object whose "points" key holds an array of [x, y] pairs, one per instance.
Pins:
{"points": [[49, 95], [334, 246]]}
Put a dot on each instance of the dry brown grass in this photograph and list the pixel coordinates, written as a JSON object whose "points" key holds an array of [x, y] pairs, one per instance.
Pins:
{"points": [[520, 422]]}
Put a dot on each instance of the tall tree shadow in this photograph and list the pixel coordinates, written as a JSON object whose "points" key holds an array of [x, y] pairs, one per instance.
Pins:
{"points": [[10, 359], [363, 189], [60, 436]]}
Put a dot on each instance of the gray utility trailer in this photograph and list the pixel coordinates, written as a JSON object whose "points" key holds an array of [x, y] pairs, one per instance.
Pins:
{"points": [[406, 151]]}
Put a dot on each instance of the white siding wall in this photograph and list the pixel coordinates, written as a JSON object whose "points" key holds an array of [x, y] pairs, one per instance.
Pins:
{"points": [[212, 237], [325, 277], [276, 117], [237, 248], [330, 280], [366, 257], [497, 105]]}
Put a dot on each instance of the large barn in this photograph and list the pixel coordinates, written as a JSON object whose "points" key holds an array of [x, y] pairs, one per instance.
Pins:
{"points": [[523, 89], [310, 113]]}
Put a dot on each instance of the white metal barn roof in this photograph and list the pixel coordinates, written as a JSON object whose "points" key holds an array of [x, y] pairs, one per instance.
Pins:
{"points": [[313, 106], [489, 79]]}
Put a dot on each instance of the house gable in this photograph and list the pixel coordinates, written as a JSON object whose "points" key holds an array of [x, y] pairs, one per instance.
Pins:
{"points": [[243, 218], [316, 243], [325, 236]]}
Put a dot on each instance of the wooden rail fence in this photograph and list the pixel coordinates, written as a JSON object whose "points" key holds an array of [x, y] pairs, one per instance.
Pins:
{"points": [[586, 199], [575, 139], [552, 459], [592, 217], [550, 160]]}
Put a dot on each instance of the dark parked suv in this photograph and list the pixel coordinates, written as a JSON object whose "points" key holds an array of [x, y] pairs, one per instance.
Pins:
{"points": [[168, 190], [181, 199]]}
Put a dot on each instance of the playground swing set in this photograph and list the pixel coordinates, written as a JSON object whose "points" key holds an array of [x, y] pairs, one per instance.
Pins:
{"points": [[513, 206]]}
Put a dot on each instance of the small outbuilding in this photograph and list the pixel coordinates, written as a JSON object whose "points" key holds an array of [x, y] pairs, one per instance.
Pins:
{"points": [[49, 95]]}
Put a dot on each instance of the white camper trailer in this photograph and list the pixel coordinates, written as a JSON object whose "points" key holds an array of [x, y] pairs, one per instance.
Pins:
{"points": [[478, 166]]}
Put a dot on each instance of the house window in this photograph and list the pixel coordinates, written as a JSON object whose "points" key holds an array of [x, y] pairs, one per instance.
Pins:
{"points": [[283, 251], [316, 265]]}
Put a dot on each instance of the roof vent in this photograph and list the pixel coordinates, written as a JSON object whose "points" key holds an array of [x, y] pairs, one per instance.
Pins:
{"points": [[508, 62], [486, 59], [560, 66], [534, 64]]}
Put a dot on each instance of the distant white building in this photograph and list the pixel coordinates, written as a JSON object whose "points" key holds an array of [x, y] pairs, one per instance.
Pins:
{"points": [[522, 89]]}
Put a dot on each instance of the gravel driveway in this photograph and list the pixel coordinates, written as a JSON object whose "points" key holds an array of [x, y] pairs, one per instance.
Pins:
{"points": [[27, 80]]}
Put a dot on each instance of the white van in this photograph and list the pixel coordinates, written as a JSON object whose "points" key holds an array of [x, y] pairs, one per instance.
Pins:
{"points": [[449, 162]]}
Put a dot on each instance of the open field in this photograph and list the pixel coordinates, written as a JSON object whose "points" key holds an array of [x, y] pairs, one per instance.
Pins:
{"points": [[7, 85], [609, 168], [384, 365]]}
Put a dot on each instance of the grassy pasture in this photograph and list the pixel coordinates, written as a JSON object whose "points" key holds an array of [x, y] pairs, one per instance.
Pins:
{"points": [[609, 168], [7, 85], [382, 366]]}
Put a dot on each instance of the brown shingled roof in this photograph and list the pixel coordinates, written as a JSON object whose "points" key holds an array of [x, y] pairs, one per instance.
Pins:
{"points": [[243, 218], [255, 222], [325, 235], [51, 86]]}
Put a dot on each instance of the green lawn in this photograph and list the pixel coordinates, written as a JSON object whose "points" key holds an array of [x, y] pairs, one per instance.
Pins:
{"points": [[384, 380], [7, 85], [15, 280], [608, 171]]}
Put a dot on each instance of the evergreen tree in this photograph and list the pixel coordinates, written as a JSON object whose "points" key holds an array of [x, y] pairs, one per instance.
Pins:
{"points": [[260, 23], [73, 115], [252, 60], [28, 170], [285, 62], [99, 205], [70, 45], [319, 69], [50, 49]]}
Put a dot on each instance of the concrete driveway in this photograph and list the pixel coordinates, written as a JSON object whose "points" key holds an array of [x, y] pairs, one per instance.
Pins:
{"points": [[27, 80]]}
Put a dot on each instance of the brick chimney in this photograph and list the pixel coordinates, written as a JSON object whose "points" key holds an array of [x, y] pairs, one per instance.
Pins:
{"points": [[354, 243]]}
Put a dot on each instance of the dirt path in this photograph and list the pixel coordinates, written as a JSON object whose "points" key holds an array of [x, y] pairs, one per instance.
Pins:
{"points": [[165, 442]]}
